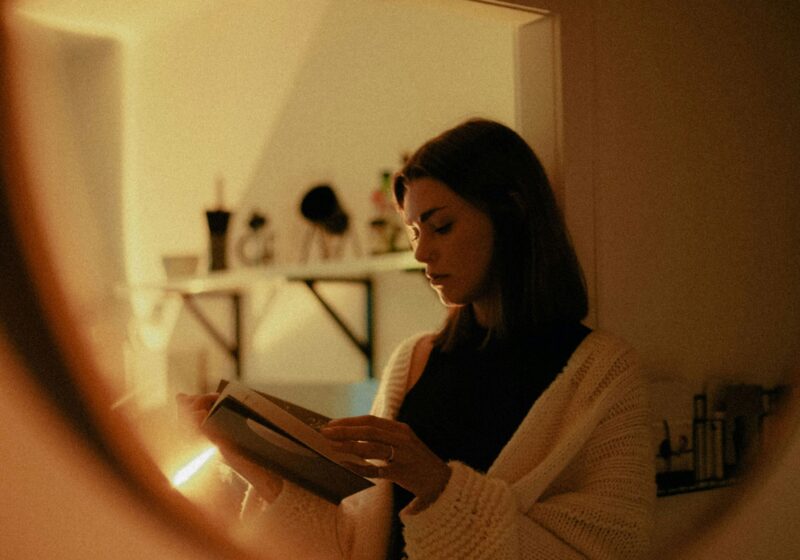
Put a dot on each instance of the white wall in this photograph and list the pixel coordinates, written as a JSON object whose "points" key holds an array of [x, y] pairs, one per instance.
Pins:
{"points": [[680, 121], [697, 202], [273, 97], [368, 82], [696, 198], [378, 79], [679, 179], [204, 92]]}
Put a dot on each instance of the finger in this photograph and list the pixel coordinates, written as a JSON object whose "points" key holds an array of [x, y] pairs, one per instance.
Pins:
{"points": [[205, 402], [198, 416], [195, 402], [199, 406], [371, 471], [365, 420], [361, 433], [366, 449]]}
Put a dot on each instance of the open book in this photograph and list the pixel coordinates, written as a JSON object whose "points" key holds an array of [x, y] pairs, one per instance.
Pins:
{"points": [[284, 438]]}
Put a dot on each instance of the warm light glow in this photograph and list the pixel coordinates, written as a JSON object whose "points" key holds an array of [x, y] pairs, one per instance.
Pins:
{"points": [[190, 469]]}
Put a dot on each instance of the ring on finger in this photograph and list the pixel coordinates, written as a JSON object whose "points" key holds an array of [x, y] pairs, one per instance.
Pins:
{"points": [[391, 454]]}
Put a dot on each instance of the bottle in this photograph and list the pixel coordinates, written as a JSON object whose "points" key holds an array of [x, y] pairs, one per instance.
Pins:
{"points": [[700, 438], [218, 220], [255, 247]]}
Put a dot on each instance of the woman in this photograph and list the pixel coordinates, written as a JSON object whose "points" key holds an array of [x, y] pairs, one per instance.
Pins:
{"points": [[513, 432]]}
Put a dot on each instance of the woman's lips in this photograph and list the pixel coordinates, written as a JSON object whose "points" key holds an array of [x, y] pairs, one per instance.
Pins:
{"points": [[436, 279]]}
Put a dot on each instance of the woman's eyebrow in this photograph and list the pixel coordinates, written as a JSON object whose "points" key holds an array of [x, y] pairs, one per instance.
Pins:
{"points": [[428, 213]]}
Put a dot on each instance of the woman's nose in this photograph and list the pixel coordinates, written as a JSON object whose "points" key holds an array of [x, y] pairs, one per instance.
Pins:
{"points": [[424, 251]]}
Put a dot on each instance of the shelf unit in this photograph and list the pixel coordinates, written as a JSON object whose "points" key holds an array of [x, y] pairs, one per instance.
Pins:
{"points": [[235, 283], [691, 486]]}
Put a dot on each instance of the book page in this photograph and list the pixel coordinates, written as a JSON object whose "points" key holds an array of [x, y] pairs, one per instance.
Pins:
{"points": [[276, 439], [282, 417], [308, 417]]}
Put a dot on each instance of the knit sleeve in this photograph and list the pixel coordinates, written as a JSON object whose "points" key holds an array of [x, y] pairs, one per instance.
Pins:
{"points": [[602, 503], [598, 506], [298, 524]]}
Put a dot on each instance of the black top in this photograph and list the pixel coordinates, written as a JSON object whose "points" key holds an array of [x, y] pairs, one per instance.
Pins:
{"points": [[469, 402]]}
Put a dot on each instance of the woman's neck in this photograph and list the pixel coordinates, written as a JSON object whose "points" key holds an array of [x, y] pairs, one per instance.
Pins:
{"points": [[487, 311]]}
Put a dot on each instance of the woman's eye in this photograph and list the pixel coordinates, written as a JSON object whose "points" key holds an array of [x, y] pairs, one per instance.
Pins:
{"points": [[444, 229], [413, 234]]}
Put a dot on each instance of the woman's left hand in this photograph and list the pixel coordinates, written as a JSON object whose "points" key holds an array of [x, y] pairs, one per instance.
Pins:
{"points": [[406, 460]]}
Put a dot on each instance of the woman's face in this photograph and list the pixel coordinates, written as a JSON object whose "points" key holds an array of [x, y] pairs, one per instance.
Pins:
{"points": [[453, 239]]}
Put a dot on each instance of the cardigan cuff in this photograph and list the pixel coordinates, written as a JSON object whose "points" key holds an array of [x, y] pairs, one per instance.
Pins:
{"points": [[474, 512], [285, 524]]}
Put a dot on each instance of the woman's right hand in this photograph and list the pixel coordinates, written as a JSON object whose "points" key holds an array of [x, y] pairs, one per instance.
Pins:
{"points": [[195, 408]]}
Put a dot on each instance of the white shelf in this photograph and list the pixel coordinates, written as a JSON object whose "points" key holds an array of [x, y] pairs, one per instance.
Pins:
{"points": [[233, 284], [239, 279]]}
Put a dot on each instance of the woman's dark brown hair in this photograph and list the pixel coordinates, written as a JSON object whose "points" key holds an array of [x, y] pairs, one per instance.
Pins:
{"points": [[534, 263]]}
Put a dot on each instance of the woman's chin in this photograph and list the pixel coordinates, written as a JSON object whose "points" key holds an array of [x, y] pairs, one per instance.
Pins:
{"points": [[449, 301]]}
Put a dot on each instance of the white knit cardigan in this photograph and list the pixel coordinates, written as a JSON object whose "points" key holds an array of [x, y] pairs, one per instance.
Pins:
{"points": [[576, 480]]}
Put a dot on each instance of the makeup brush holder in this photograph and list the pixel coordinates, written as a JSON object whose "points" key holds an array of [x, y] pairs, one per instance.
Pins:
{"points": [[218, 221]]}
